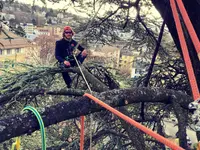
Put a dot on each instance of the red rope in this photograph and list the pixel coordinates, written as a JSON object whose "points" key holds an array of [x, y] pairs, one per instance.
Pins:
{"points": [[189, 25], [82, 133], [190, 71], [136, 124]]}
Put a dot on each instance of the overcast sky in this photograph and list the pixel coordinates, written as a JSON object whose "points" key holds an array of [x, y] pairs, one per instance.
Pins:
{"points": [[61, 5], [49, 4], [70, 7]]}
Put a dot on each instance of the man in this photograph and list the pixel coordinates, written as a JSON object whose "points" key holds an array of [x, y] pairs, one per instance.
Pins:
{"points": [[64, 53]]}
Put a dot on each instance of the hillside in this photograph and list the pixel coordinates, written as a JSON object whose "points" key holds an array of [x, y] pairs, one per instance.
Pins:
{"points": [[26, 13]]}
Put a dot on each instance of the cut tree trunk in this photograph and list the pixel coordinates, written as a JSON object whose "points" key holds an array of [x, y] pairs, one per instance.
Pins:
{"points": [[27, 123]]}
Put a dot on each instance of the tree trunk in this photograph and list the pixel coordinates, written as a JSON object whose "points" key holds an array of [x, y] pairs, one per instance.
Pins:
{"points": [[193, 10], [182, 117], [134, 134], [27, 123]]}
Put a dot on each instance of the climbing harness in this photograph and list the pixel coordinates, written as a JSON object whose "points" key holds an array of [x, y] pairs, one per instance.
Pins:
{"points": [[69, 58]]}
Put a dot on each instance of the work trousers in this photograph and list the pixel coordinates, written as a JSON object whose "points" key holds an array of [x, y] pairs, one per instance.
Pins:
{"points": [[73, 63]]}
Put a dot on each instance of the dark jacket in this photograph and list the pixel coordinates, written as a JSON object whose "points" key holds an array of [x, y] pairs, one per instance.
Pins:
{"points": [[65, 48]]}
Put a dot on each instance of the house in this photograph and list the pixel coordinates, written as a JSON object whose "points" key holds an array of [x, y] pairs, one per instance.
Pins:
{"points": [[126, 63], [13, 50], [28, 27], [42, 31]]}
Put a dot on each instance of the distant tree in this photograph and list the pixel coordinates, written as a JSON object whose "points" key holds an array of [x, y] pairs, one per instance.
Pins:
{"points": [[51, 10], [21, 7], [20, 31], [3, 18], [33, 8], [51, 13], [26, 8], [49, 21], [47, 15], [44, 9], [1, 6], [40, 20], [46, 52], [34, 22], [38, 8], [59, 20], [14, 2], [12, 22]]}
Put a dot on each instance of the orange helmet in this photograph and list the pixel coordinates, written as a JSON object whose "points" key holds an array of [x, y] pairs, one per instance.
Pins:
{"points": [[68, 28]]}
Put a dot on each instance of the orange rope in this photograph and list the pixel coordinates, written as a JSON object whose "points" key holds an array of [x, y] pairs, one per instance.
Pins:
{"points": [[136, 124], [190, 71], [189, 26], [82, 133]]}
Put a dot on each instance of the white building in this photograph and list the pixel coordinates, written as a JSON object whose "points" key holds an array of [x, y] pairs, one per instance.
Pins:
{"points": [[42, 31], [60, 15], [28, 28], [31, 37], [138, 67]]}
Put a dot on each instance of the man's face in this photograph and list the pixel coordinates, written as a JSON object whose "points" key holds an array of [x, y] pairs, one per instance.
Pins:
{"points": [[68, 34]]}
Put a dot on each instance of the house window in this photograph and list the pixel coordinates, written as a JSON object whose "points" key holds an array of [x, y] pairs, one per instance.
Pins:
{"points": [[17, 50], [137, 71], [8, 51]]}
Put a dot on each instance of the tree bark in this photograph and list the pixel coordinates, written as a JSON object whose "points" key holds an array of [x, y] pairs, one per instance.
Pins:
{"points": [[5, 98], [27, 123], [134, 134], [182, 117]]}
